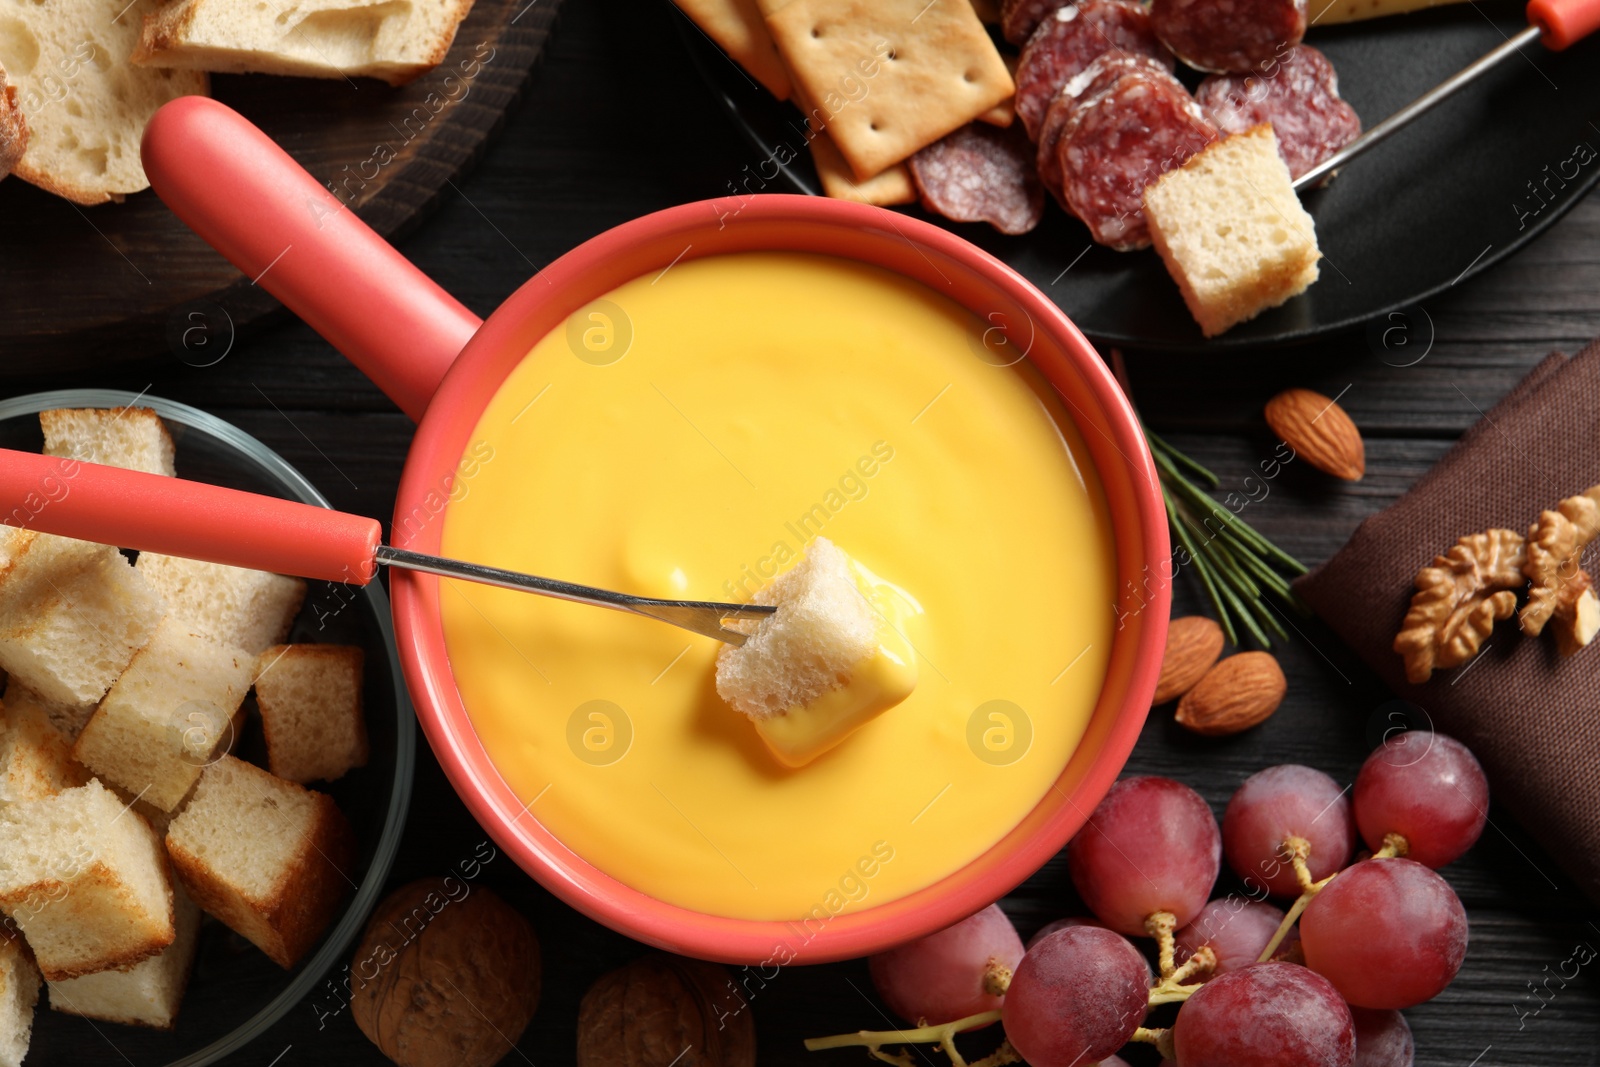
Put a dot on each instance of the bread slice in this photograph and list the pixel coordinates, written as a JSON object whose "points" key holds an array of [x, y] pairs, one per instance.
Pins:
{"points": [[19, 994], [85, 880], [1231, 230], [396, 41], [148, 993], [85, 104], [133, 438], [824, 626], [35, 759], [72, 614], [270, 858], [13, 143], [310, 701], [68, 719], [165, 717], [248, 609]]}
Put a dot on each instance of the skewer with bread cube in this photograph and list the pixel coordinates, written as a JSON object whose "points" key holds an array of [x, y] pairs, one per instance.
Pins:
{"points": [[122, 814]]}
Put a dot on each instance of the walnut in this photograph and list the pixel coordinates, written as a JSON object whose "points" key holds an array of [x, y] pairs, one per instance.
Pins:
{"points": [[1459, 598], [447, 975], [666, 1011], [1561, 587]]}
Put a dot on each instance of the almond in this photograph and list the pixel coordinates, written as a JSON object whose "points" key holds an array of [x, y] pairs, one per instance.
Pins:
{"points": [[1236, 694], [1320, 430], [1193, 644]]}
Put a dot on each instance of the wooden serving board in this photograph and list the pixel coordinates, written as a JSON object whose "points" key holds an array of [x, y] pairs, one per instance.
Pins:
{"points": [[89, 286]]}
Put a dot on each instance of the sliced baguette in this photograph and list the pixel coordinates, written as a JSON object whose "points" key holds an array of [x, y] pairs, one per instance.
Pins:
{"points": [[396, 41], [132, 438], [86, 106]]}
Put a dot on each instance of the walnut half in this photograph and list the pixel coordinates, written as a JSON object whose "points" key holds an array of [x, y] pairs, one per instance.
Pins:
{"points": [[1561, 588], [1459, 598]]}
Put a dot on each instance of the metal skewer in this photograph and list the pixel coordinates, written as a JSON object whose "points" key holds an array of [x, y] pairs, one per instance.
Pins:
{"points": [[1423, 103], [700, 616]]}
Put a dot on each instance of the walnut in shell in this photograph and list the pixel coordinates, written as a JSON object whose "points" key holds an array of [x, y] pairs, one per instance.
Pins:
{"points": [[666, 1011], [1459, 598], [1561, 587], [447, 975]]}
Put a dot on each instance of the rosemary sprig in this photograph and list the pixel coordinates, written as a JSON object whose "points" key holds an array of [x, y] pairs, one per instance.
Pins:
{"points": [[1237, 567]]}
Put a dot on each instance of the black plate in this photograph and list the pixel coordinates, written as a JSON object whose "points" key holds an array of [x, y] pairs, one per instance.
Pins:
{"points": [[1458, 190]]}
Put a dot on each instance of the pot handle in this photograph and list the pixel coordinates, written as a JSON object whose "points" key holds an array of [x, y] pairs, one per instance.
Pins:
{"points": [[153, 513], [290, 235]]}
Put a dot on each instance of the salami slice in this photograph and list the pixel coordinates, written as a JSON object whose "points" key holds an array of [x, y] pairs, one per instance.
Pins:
{"points": [[1074, 96], [1019, 18], [981, 173], [1299, 95], [1134, 132], [1229, 36], [1069, 40]]}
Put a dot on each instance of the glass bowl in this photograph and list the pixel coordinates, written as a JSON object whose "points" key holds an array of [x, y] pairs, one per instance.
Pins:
{"points": [[235, 992]]}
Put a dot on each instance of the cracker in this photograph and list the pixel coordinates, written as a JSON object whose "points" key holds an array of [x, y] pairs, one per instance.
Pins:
{"points": [[892, 186], [737, 28], [891, 76], [1002, 114]]}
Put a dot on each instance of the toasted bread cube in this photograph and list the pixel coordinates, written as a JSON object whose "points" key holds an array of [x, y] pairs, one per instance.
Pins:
{"points": [[148, 993], [1231, 230], [85, 880], [134, 438], [68, 719], [310, 700], [19, 993], [72, 614], [269, 858], [167, 714], [35, 759], [248, 609]]}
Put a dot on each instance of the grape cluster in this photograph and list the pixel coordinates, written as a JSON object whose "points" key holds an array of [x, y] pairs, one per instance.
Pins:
{"points": [[1316, 985]]}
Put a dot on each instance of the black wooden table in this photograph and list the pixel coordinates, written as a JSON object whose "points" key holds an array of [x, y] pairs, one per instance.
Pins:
{"points": [[616, 124]]}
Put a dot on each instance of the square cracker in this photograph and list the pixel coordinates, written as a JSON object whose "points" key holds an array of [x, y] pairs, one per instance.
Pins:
{"points": [[892, 186], [737, 28], [892, 76]]}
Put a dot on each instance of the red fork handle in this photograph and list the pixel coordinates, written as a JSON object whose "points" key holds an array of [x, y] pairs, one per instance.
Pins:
{"points": [[1564, 22], [247, 199], [50, 494]]}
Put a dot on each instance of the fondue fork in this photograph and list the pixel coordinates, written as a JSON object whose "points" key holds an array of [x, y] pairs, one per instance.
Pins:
{"points": [[152, 513]]}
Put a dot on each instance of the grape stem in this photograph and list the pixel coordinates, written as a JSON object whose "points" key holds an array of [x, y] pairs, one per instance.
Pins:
{"points": [[1299, 852], [1171, 987], [944, 1035], [1161, 1038], [996, 978]]}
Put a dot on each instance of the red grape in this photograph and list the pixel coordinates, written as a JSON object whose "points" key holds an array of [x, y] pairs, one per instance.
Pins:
{"points": [[1278, 802], [1062, 924], [1236, 929], [1267, 1015], [1383, 1039], [1152, 845], [1078, 996], [939, 978], [1429, 789], [1388, 933]]}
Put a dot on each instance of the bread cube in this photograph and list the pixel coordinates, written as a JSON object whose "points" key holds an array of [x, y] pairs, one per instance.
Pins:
{"points": [[248, 609], [310, 701], [148, 993], [164, 718], [19, 993], [35, 759], [134, 438], [824, 626], [270, 858], [68, 719], [85, 880], [72, 614], [1231, 230]]}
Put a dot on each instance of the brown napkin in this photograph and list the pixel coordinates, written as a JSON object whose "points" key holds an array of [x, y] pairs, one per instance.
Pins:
{"points": [[1531, 716]]}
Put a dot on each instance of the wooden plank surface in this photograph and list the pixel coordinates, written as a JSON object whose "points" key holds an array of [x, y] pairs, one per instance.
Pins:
{"points": [[615, 125]]}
